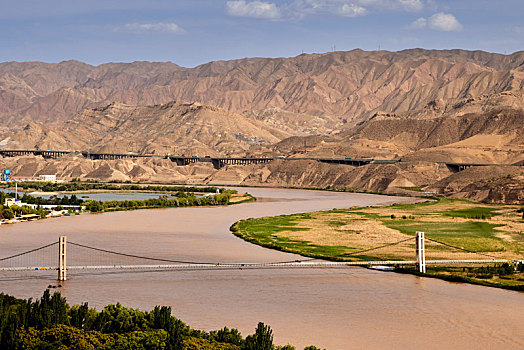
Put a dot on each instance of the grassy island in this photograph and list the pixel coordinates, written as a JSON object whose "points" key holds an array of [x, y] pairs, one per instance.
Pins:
{"points": [[351, 234]]}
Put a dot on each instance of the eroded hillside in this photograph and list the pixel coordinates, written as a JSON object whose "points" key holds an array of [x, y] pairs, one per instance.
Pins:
{"points": [[333, 89]]}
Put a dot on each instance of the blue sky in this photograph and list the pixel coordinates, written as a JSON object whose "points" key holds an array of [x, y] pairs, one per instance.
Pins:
{"points": [[192, 32]]}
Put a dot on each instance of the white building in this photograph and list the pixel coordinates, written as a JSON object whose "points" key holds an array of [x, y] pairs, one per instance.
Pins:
{"points": [[9, 201], [47, 178]]}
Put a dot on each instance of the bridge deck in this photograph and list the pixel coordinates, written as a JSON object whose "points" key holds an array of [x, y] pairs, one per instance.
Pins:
{"points": [[225, 266]]}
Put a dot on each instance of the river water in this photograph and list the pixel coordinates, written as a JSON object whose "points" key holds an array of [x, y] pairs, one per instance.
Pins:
{"points": [[102, 196], [349, 308]]}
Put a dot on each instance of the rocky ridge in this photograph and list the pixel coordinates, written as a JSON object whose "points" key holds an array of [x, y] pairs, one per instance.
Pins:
{"points": [[333, 89]]}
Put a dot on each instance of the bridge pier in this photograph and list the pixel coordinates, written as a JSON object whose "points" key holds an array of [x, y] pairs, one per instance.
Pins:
{"points": [[420, 253], [62, 258]]}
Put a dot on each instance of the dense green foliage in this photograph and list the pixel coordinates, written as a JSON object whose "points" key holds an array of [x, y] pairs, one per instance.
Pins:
{"points": [[262, 231], [186, 200], [67, 337], [505, 276], [88, 186], [53, 200], [15, 210], [50, 323], [6, 213], [472, 213], [261, 340], [183, 199], [472, 235]]}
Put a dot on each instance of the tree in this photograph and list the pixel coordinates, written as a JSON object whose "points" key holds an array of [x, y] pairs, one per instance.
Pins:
{"points": [[94, 206], [78, 315], [8, 213], [225, 335], [261, 340], [286, 347]]}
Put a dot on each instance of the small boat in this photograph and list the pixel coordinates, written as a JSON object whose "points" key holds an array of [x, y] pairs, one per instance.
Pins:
{"points": [[382, 268]]}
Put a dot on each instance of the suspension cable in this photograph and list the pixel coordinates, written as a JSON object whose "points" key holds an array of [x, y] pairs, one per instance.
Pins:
{"points": [[382, 246], [463, 249], [29, 251], [168, 260]]}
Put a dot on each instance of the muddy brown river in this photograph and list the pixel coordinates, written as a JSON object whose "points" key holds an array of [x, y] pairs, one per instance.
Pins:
{"points": [[349, 308]]}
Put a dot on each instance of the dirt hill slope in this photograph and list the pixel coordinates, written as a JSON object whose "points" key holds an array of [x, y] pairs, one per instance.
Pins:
{"points": [[176, 127], [346, 87], [495, 137]]}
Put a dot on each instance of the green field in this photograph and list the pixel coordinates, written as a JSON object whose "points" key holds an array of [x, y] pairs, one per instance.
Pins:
{"points": [[348, 234]]}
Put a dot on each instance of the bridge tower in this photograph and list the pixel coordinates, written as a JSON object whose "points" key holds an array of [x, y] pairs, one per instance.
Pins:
{"points": [[62, 258], [420, 252]]}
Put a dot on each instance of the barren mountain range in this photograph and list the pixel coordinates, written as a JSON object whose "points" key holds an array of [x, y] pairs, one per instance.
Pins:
{"points": [[424, 106], [337, 87]]}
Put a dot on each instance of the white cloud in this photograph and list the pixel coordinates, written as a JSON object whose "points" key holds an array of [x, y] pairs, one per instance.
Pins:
{"points": [[407, 5], [411, 5], [351, 8], [445, 22], [165, 27], [298, 9], [352, 11], [380, 4], [254, 9], [419, 23], [344, 8], [440, 21]]}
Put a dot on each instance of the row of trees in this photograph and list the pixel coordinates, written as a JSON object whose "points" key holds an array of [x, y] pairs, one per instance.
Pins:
{"points": [[50, 323], [52, 200], [183, 199], [9, 213], [87, 186], [161, 202]]}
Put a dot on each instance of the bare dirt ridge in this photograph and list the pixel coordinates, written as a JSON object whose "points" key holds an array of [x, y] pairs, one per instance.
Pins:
{"points": [[333, 88]]}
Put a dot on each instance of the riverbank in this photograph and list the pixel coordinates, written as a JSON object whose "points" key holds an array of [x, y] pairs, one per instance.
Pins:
{"points": [[87, 187], [499, 276], [455, 230], [28, 207]]}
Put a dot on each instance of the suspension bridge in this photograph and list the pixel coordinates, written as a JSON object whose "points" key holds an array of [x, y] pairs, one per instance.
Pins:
{"points": [[64, 256]]}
